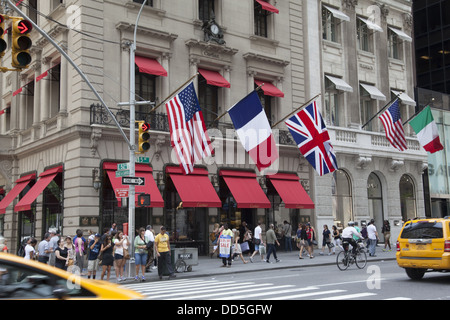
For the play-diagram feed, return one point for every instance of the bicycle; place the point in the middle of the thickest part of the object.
(346, 257)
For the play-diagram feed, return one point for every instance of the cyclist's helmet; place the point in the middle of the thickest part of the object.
(351, 223)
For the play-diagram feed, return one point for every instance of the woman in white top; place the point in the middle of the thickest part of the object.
(119, 242)
(30, 252)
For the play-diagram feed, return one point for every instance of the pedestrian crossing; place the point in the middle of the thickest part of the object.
(213, 289)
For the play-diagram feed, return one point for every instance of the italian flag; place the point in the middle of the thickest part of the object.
(427, 131)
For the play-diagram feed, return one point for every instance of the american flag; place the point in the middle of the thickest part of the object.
(311, 135)
(392, 123)
(187, 129)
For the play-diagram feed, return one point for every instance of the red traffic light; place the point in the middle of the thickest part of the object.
(145, 126)
(24, 26)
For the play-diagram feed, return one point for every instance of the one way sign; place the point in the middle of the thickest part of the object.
(137, 181)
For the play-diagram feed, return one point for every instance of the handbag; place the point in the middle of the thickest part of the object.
(126, 254)
(257, 241)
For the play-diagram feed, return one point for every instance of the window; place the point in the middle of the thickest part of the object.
(55, 4)
(27, 219)
(53, 204)
(28, 91)
(375, 196)
(341, 190)
(208, 98)
(55, 85)
(407, 198)
(32, 10)
(149, 2)
(329, 25)
(394, 45)
(205, 9)
(331, 98)
(366, 107)
(145, 89)
(266, 102)
(261, 20)
(363, 36)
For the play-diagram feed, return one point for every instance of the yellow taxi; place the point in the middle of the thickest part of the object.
(27, 279)
(423, 246)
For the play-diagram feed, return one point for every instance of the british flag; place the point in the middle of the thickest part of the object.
(311, 135)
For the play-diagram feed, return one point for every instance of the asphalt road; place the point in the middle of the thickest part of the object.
(381, 280)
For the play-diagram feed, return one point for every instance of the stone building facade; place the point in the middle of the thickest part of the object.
(58, 143)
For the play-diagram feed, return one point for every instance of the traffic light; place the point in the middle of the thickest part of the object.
(3, 44)
(21, 43)
(143, 200)
(144, 136)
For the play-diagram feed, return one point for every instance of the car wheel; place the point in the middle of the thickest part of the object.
(415, 274)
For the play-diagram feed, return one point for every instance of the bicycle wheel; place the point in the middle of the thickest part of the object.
(342, 261)
(180, 266)
(361, 259)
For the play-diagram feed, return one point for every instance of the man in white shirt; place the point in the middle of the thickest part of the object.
(348, 233)
(151, 256)
(257, 240)
(372, 234)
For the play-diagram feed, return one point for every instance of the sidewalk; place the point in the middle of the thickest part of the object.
(212, 266)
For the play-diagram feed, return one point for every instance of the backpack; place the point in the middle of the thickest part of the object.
(21, 251)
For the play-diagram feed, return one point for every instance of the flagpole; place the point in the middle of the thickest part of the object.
(223, 114)
(389, 103)
(296, 110)
(173, 93)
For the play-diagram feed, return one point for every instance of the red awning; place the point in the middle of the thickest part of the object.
(195, 189)
(269, 89)
(45, 178)
(214, 78)
(150, 66)
(267, 6)
(20, 185)
(143, 171)
(245, 189)
(291, 191)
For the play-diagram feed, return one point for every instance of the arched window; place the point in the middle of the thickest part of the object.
(375, 196)
(342, 198)
(407, 197)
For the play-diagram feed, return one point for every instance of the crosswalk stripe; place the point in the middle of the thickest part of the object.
(213, 292)
(398, 298)
(274, 291)
(198, 288)
(170, 284)
(349, 296)
(305, 295)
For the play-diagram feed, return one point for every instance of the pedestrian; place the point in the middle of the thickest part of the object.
(326, 240)
(162, 249)
(30, 251)
(107, 256)
(119, 260)
(71, 256)
(247, 243)
(271, 239)
(149, 233)
(44, 249)
(93, 261)
(140, 253)
(386, 230)
(113, 229)
(80, 249)
(257, 241)
(336, 238)
(214, 237)
(225, 251)
(53, 243)
(61, 254)
(310, 232)
(3, 246)
(373, 237)
(365, 235)
(237, 250)
(304, 244)
(287, 231)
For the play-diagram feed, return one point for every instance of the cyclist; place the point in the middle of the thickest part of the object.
(348, 233)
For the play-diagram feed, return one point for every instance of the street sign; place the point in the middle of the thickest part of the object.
(142, 160)
(122, 173)
(136, 181)
(123, 166)
(121, 192)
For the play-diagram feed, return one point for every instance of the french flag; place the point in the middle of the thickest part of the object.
(254, 131)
